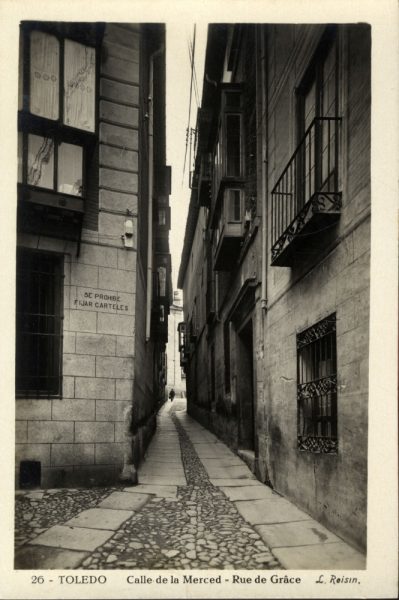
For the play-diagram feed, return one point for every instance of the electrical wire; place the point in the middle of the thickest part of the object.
(189, 106)
(191, 54)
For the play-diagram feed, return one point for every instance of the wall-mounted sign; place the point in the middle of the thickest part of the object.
(101, 300)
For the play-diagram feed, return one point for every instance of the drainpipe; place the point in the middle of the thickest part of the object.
(150, 190)
(265, 188)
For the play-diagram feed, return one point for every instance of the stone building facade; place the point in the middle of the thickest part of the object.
(176, 377)
(91, 315)
(276, 261)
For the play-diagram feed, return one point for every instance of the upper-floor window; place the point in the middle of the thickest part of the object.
(161, 272)
(58, 79)
(57, 108)
(317, 109)
(306, 198)
(228, 153)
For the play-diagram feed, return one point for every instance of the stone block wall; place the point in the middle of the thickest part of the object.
(82, 436)
(331, 487)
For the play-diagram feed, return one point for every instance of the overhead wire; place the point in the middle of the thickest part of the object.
(189, 106)
(191, 54)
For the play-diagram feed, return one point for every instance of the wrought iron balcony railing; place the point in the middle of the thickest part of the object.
(306, 197)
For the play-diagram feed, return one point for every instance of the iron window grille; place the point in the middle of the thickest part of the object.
(317, 387)
(39, 324)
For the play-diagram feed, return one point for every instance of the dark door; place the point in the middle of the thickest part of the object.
(245, 388)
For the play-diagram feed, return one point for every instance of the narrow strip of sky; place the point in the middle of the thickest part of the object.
(179, 51)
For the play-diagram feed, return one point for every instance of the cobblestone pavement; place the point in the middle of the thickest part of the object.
(37, 511)
(201, 528)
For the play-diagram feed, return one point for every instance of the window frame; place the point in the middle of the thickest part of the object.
(310, 345)
(56, 129)
(30, 256)
(314, 75)
(220, 154)
(61, 32)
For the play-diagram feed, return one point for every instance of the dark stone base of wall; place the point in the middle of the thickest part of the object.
(142, 439)
(225, 428)
(94, 475)
(68, 477)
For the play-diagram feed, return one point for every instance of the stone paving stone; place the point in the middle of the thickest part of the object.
(236, 482)
(297, 533)
(163, 491)
(33, 516)
(100, 518)
(43, 557)
(321, 556)
(278, 510)
(153, 467)
(167, 480)
(73, 538)
(212, 451)
(161, 458)
(221, 462)
(32, 495)
(124, 501)
(250, 492)
(239, 472)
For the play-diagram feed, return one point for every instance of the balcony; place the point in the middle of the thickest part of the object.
(47, 212)
(229, 230)
(305, 199)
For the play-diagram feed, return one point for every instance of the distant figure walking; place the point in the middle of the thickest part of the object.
(171, 394)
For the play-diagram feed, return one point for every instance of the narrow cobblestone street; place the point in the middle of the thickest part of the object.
(197, 506)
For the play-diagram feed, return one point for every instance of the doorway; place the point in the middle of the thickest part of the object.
(245, 388)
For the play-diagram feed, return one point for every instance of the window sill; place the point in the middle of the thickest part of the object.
(317, 445)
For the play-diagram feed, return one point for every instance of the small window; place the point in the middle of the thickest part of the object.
(70, 163)
(233, 145)
(49, 162)
(161, 216)
(181, 328)
(234, 211)
(161, 313)
(317, 387)
(161, 281)
(38, 324)
(40, 161)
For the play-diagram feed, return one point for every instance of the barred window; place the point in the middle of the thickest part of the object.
(317, 387)
(38, 324)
